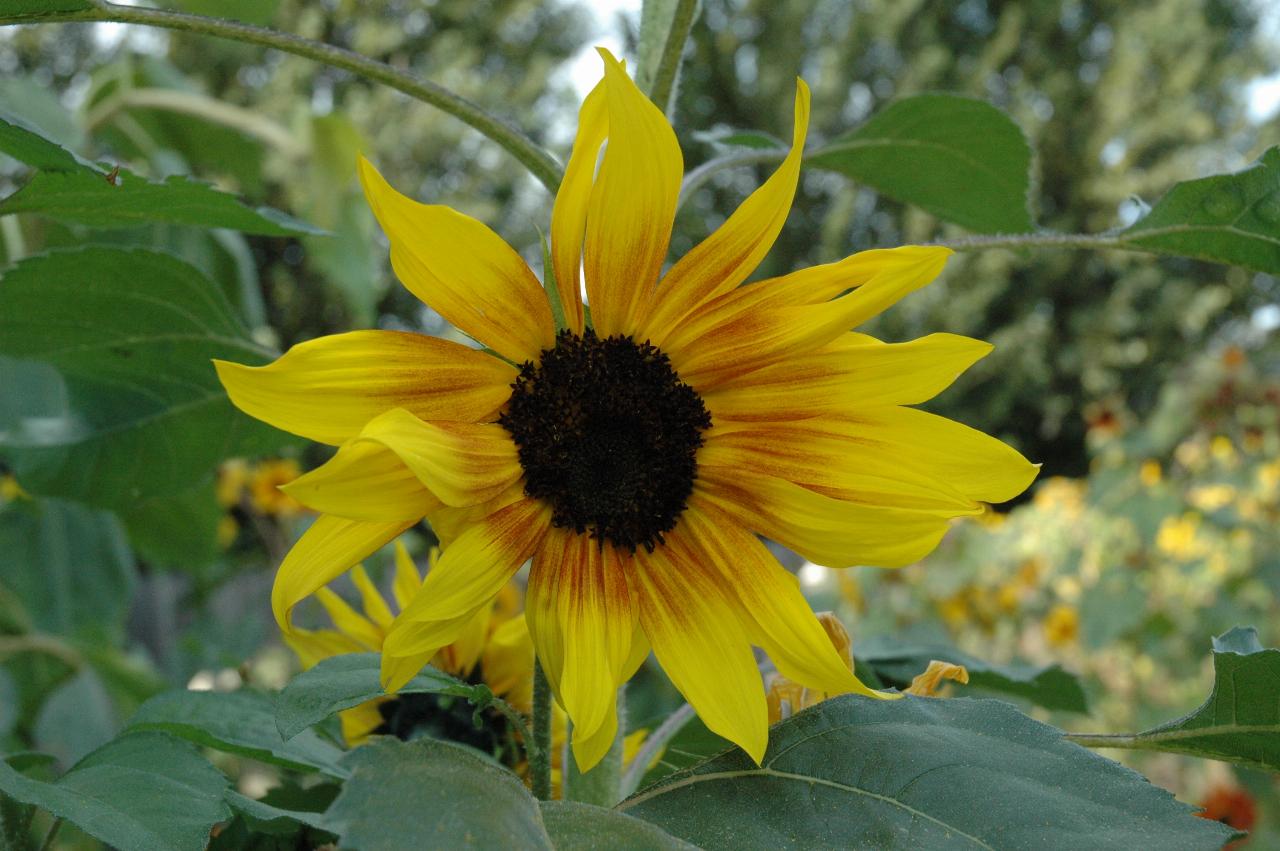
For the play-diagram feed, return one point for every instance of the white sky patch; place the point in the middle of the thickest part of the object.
(1263, 96)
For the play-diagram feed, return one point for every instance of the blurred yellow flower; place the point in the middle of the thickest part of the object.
(1179, 537)
(1150, 473)
(1211, 497)
(233, 478)
(1223, 450)
(228, 529)
(1062, 625)
(11, 490)
(264, 487)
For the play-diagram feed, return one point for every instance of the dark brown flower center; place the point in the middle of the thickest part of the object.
(608, 436)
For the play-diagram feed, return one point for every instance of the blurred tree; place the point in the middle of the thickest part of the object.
(1119, 101)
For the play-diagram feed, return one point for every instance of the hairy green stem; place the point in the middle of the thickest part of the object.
(539, 163)
(540, 753)
(696, 179)
(1034, 240)
(1105, 740)
(668, 68)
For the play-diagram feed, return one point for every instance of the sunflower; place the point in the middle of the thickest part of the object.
(493, 649)
(634, 446)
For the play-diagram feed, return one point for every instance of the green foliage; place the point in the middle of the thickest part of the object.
(145, 791)
(179, 531)
(341, 682)
(574, 826)
(71, 190)
(68, 566)
(1240, 722)
(432, 794)
(1227, 218)
(241, 722)
(36, 8)
(128, 405)
(963, 160)
(1044, 685)
(919, 773)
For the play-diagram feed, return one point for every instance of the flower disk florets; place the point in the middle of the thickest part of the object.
(608, 436)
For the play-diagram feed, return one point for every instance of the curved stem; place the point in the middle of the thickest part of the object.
(540, 754)
(247, 121)
(653, 745)
(664, 75)
(1033, 240)
(539, 163)
(696, 179)
(34, 642)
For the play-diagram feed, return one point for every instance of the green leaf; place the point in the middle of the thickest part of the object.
(693, 743)
(72, 190)
(77, 718)
(143, 791)
(1049, 686)
(1227, 218)
(266, 818)
(432, 794)
(341, 682)
(574, 826)
(241, 722)
(920, 773)
(1240, 722)
(37, 8)
(69, 567)
(115, 346)
(179, 531)
(963, 160)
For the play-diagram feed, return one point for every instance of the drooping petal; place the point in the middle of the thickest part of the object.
(773, 611)
(723, 260)
(632, 206)
(762, 323)
(470, 572)
(461, 654)
(327, 389)
(823, 529)
(698, 638)
(589, 750)
(375, 606)
(569, 215)
(583, 622)
(324, 552)
(313, 645)
(359, 722)
(364, 481)
(855, 371)
(463, 270)
(461, 463)
(350, 622)
(407, 580)
(507, 662)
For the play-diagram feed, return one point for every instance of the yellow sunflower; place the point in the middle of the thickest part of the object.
(494, 649)
(633, 451)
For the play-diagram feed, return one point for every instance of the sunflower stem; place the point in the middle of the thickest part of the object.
(667, 68)
(540, 753)
(654, 743)
(602, 785)
(539, 163)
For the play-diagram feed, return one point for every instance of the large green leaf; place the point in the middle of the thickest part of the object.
(341, 682)
(69, 189)
(77, 718)
(961, 159)
(67, 566)
(574, 826)
(1049, 686)
(123, 403)
(432, 794)
(920, 773)
(179, 531)
(241, 722)
(1240, 722)
(1227, 218)
(143, 791)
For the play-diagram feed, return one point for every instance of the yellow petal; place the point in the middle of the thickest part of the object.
(327, 389)
(723, 260)
(928, 683)
(462, 654)
(811, 454)
(569, 215)
(507, 662)
(398, 670)
(825, 530)
(461, 463)
(588, 750)
(375, 606)
(350, 622)
(583, 621)
(698, 638)
(471, 571)
(364, 481)
(359, 722)
(632, 206)
(408, 580)
(774, 612)
(762, 323)
(324, 552)
(463, 270)
(314, 645)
